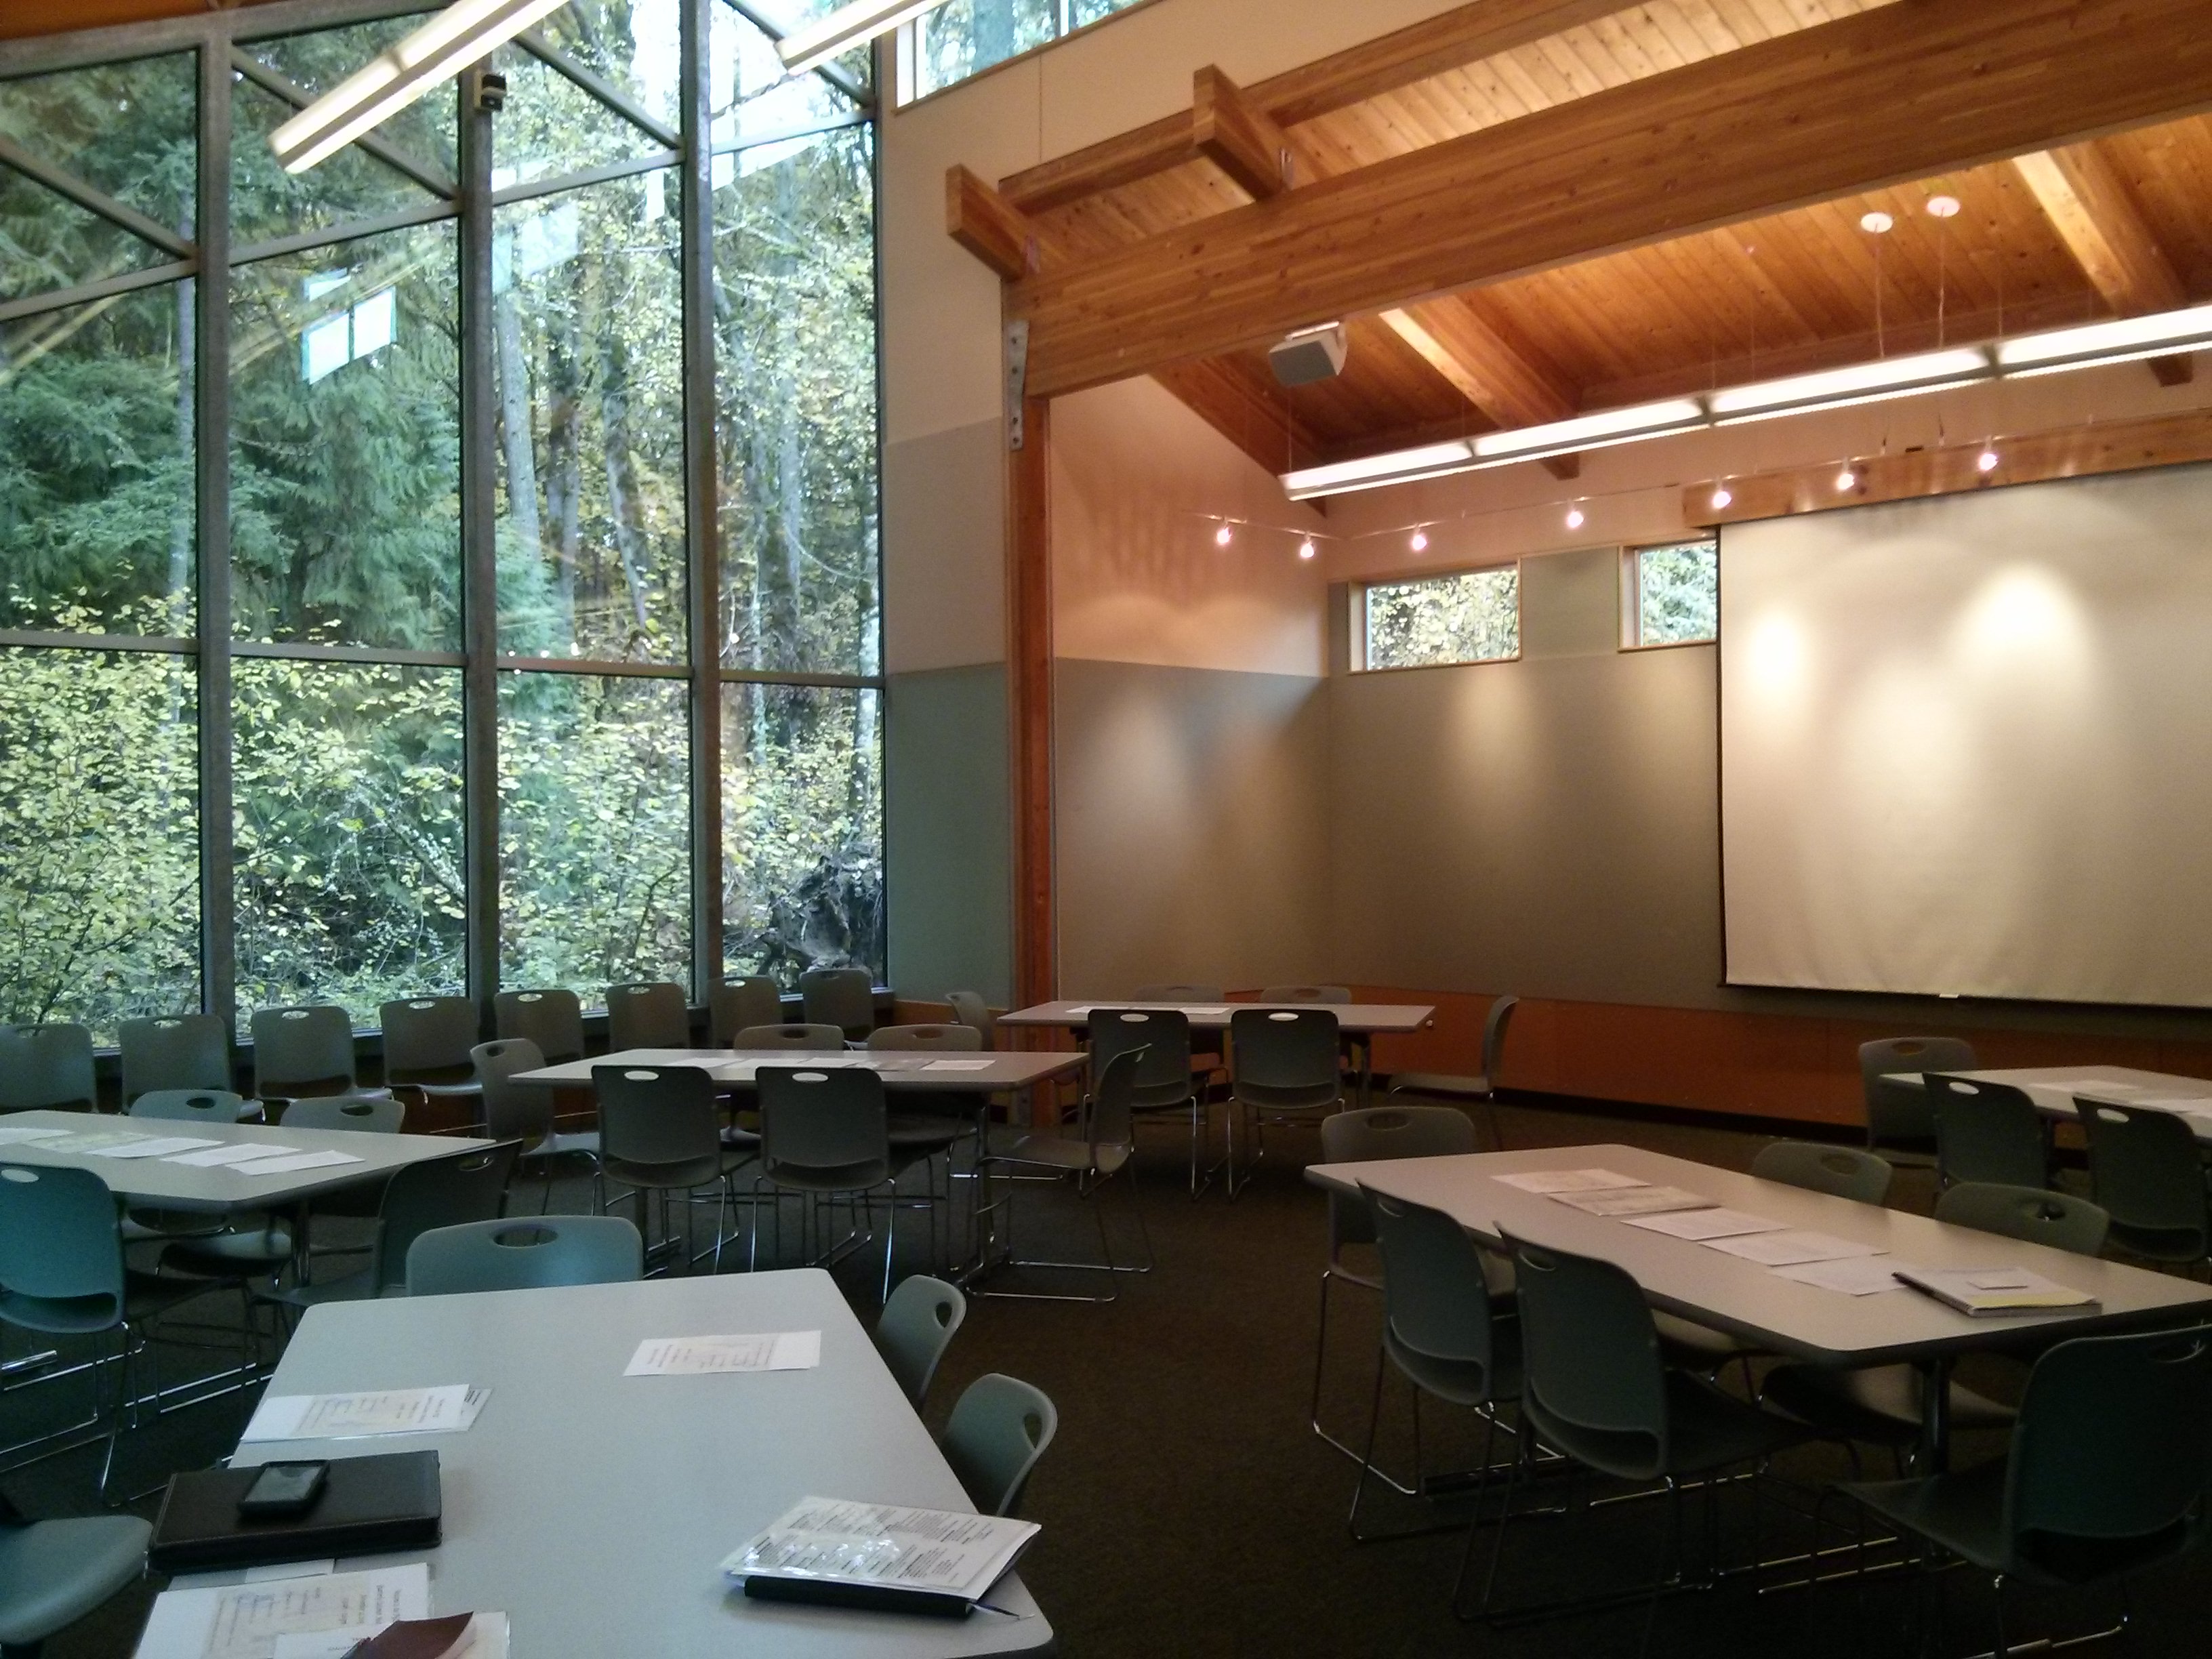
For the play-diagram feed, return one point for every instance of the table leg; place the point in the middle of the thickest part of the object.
(1935, 1415)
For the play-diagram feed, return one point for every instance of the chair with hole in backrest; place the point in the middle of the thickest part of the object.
(524, 1255)
(825, 1134)
(648, 1015)
(193, 1106)
(426, 1048)
(2106, 1475)
(550, 1018)
(957, 1115)
(971, 1010)
(1988, 1132)
(1283, 1070)
(1206, 1050)
(1481, 1088)
(173, 1052)
(1165, 1082)
(46, 1066)
(1900, 1110)
(915, 1327)
(843, 997)
(660, 1133)
(1360, 1137)
(374, 1115)
(2147, 1172)
(999, 1428)
(737, 1004)
(525, 1112)
(303, 1051)
(1883, 1405)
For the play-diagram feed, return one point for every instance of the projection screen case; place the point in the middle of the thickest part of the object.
(1967, 744)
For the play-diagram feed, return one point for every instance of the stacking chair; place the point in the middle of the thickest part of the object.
(1165, 1081)
(46, 1066)
(265, 1239)
(2147, 1173)
(648, 1016)
(915, 1327)
(1439, 1332)
(971, 1010)
(53, 1573)
(1203, 1060)
(1359, 1137)
(801, 1039)
(737, 1004)
(843, 997)
(193, 1106)
(524, 1256)
(825, 1134)
(1478, 1090)
(660, 1131)
(375, 1114)
(552, 1018)
(172, 1052)
(426, 1048)
(525, 1112)
(1900, 1110)
(1104, 1150)
(1882, 1405)
(925, 1136)
(2106, 1476)
(304, 1051)
(1282, 1071)
(1988, 1132)
(999, 1428)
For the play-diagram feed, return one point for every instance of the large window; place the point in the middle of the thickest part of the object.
(1473, 616)
(1670, 595)
(962, 37)
(318, 767)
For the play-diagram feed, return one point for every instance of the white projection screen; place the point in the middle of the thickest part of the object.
(1967, 744)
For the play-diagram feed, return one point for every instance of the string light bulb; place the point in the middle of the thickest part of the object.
(1848, 478)
(1723, 498)
(1987, 459)
(1306, 547)
(1577, 517)
(1420, 542)
(1224, 536)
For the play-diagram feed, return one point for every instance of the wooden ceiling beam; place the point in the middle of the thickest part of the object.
(1465, 34)
(1479, 351)
(2095, 214)
(1772, 126)
(988, 226)
(1237, 136)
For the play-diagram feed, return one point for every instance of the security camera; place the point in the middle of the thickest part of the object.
(491, 93)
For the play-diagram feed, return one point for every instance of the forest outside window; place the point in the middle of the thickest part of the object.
(1670, 595)
(1474, 615)
(963, 38)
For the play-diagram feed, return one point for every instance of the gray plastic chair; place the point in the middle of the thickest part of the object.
(999, 1428)
(798, 1039)
(253, 1242)
(2147, 1172)
(945, 1039)
(1164, 1080)
(53, 1573)
(550, 1018)
(1840, 1171)
(46, 1066)
(1103, 1149)
(915, 1327)
(648, 1015)
(365, 1114)
(525, 1254)
(918, 1136)
(1439, 1331)
(1988, 1132)
(2034, 1213)
(826, 1134)
(439, 1192)
(2106, 1476)
(661, 1132)
(1328, 993)
(1364, 1136)
(426, 1046)
(1900, 1112)
(735, 1004)
(302, 1051)
(971, 1010)
(1283, 1070)
(174, 1051)
(1482, 1087)
(193, 1106)
(843, 997)
(525, 1112)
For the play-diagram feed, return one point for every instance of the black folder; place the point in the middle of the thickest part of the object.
(371, 1505)
(882, 1598)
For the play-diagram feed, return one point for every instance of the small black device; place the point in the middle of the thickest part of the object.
(283, 1490)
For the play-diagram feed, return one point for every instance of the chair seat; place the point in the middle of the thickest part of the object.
(437, 1080)
(581, 1142)
(1707, 1429)
(672, 1177)
(357, 1286)
(144, 1295)
(54, 1572)
(227, 1254)
(1877, 1403)
(914, 1130)
(1463, 1382)
(838, 1178)
(1697, 1347)
(1059, 1152)
(1440, 1083)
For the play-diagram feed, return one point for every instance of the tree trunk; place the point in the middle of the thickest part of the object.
(518, 441)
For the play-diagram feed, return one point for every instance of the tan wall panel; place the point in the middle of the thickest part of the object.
(945, 570)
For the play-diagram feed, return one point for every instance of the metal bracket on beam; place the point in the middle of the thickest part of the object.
(1017, 374)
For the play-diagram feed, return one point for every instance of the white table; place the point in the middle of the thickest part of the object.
(986, 1073)
(1749, 1300)
(594, 1509)
(2052, 1088)
(1355, 1018)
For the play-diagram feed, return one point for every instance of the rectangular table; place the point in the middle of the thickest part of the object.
(1355, 1018)
(947, 1073)
(1753, 1302)
(594, 1509)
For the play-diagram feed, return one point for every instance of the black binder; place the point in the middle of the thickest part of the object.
(371, 1505)
(882, 1598)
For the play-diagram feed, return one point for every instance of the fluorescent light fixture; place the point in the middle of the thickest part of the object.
(1608, 426)
(845, 27)
(441, 48)
(2122, 341)
(1838, 388)
(1373, 471)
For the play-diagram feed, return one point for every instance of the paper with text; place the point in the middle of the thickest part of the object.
(1633, 1200)
(884, 1544)
(16, 1134)
(1699, 1225)
(1791, 1247)
(978, 1066)
(1552, 1182)
(237, 1152)
(92, 1143)
(296, 1161)
(1861, 1275)
(345, 1416)
(163, 1146)
(702, 1356)
(247, 1621)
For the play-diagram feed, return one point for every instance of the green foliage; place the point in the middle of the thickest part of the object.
(1474, 616)
(1678, 593)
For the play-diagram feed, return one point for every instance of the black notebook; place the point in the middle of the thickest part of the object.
(369, 1506)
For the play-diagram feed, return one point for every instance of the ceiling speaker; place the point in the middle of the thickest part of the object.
(1310, 354)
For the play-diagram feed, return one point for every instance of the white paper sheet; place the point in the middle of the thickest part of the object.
(163, 1146)
(484, 1637)
(13, 1135)
(1554, 1182)
(1861, 1275)
(345, 1416)
(2091, 1085)
(1633, 1200)
(701, 1356)
(2188, 1105)
(884, 1544)
(1699, 1225)
(979, 1066)
(92, 1143)
(288, 1164)
(244, 1622)
(236, 1152)
(1790, 1247)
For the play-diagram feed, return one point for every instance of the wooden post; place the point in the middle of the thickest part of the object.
(1029, 696)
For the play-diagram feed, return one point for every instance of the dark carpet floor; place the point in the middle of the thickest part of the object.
(1188, 1511)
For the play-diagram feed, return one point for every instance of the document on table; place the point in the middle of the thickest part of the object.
(248, 1621)
(1861, 1275)
(1791, 1247)
(162, 1146)
(985, 1066)
(2092, 1086)
(92, 1143)
(884, 1544)
(1699, 1225)
(702, 1356)
(294, 1160)
(344, 1416)
(458, 1636)
(1555, 1181)
(235, 1151)
(16, 1134)
(1634, 1201)
(1995, 1289)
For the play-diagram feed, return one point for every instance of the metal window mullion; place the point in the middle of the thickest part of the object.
(430, 213)
(701, 518)
(211, 547)
(96, 201)
(832, 71)
(381, 656)
(38, 639)
(656, 162)
(859, 117)
(298, 97)
(61, 299)
(479, 552)
(534, 42)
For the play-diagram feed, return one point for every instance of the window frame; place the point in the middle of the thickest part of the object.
(906, 50)
(1361, 625)
(1632, 594)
